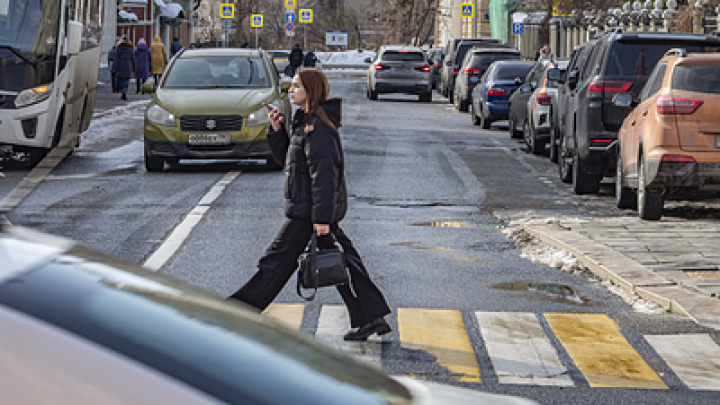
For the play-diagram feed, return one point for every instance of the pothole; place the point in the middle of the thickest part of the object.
(453, 224)
(552, 291)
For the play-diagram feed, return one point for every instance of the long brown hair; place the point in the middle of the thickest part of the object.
(316, 90)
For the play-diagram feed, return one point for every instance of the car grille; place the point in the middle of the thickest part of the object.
(211, 123)
(211, 148)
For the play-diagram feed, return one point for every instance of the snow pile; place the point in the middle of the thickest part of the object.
(103, 124)
(537, 252)
(347, 58)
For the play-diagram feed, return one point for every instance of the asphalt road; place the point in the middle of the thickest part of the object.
(430, 196)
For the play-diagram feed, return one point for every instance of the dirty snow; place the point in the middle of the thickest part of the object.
(354, 57)
(538, 252)
(110, 124)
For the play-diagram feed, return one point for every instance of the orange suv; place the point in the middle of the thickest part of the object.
(669, 145)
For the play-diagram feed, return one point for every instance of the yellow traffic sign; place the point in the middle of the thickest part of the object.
(256, 21)
(290, 4)
(467, 10)
(227, 10)
(306, 16)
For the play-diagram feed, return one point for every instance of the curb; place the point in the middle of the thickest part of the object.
(608, 264)
(131, 104)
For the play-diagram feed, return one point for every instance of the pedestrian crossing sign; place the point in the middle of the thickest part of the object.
(306, 16)
(467, 10)
(257, 21)
(290, 4)
(227, 11)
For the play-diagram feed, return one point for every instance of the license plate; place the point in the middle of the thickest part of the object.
(209, 139)
(474, 79)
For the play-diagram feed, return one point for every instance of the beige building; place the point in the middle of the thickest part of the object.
(451, 25)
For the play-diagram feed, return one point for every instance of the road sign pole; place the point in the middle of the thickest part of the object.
(256, 37)
(305, 37)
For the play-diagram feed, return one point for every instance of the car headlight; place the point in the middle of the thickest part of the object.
(259, 117)
(32, 96)
(160, 116)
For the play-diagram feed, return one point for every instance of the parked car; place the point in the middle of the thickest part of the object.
(490, 96)
(554, 126)
(400, 69)
(476, 62)
(530, 105)
(612, 64)
(454, 54)
(435, 59)
(80, 327)
(210, 104)
(669, 145)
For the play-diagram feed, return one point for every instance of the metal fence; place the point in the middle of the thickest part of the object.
(568, 32)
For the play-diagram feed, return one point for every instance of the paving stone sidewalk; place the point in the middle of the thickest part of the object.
(673, 263)
(106, 100)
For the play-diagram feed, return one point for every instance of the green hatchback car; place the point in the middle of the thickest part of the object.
(210, 104)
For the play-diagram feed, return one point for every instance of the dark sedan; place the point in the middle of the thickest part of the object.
(490, 96)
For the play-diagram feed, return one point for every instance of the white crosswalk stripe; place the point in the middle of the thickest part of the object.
(334, 322)
(695, 358)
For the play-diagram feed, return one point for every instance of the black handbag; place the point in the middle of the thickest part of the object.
(321, 268)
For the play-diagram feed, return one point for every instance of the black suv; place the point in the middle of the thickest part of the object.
(613, 63)
(454, 54)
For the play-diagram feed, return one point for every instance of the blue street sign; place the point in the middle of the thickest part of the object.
(518, 28)
(289, 17)
(467, 10)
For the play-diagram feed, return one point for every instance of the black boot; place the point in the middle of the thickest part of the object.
(378, 325)
(124, 96)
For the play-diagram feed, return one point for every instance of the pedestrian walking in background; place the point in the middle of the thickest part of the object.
(310, 59)
(296, 59)
(143, 60)
(175, 47)
(125, 65)
(159, 58)
(315, 201)
(543, 52)
(111, 65)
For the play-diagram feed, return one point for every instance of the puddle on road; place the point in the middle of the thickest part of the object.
(418, 245)
(457, 225)
(550, 291)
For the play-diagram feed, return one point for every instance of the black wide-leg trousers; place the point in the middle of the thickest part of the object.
(280, 262)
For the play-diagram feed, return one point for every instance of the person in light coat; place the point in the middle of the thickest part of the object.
(159, 58)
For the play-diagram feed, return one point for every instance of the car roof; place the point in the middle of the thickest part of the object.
(693, 57)
(618, 34)
(495, 50)
(401, 48)
(198, 53)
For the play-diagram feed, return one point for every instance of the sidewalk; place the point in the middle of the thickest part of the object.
(675, 264)
(106, 100)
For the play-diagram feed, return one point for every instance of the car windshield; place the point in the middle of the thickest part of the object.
(217, 72)
(697, 78)
(466, 46)
(553, 84)
(484, 60)
(28, 27)
(507, 71)
(400, 56)
(638, 59)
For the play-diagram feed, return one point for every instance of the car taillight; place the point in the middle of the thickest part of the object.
(379, 66)
(543, 99)
(676, 105)
(609, 86)
(438, 64)
(496, 91)
(601, 142)
(425, 68)
(455, 71)
(678, 159)
(473, 71)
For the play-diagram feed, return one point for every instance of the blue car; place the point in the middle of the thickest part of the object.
(490, 96)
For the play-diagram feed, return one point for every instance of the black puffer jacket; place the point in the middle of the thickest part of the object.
(314, 180)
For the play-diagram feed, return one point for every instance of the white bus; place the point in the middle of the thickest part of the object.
(49, 62)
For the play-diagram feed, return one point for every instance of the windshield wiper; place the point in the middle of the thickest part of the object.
(19, 54)
(252, 70)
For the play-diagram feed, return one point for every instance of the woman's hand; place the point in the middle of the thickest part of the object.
(321, 229)
(275, 117)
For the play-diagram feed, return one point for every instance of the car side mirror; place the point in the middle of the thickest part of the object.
(285, 84)
(74, 38)
(518, 81)
(554, 74)
(148, 87)
(572, 79)
(367, 60)
(526, 88)
(623, 100)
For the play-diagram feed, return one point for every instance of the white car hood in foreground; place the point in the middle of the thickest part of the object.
(428, 393)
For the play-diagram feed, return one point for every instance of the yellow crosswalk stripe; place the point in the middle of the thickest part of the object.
(290, 315)
(601, 352)
(441, 333)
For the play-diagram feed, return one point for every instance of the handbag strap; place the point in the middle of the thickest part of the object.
(312, 257)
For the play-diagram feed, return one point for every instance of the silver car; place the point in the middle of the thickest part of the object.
(400, 69)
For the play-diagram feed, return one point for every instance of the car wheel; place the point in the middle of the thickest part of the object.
(624, 197)
(462, 103)
(553, 146)
(536, 146)
(426, 97)
(473, 116)
(650, 202)
(582, 181)
(564, 167)
(154, 164)
(373, 94)
(272, 165)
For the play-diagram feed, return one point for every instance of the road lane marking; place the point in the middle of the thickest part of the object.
(520, 351)
(290, 315)
(181, 232)
(334, 323)
(601, 352)
(33, 178)
(694, 358)
(441, 333)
